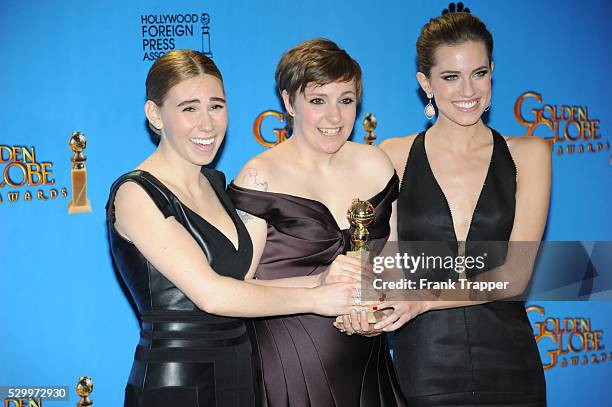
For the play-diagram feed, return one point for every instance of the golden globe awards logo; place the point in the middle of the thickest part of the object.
(24, 176)
(279, 134)
(161, 33)
(23, 402)
(568, 128)
(568, 341)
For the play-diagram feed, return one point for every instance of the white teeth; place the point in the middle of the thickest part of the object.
(203, 141)
(330, 132)
(466, 105)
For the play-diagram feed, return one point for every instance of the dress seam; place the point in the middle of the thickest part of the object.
(364, 376)
(150, 345)
(320, 361)
(467, 334)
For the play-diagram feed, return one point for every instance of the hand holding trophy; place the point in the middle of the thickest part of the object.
(360, 215)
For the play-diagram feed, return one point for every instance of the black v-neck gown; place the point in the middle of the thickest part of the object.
(302, 360)
(185, 357)
(482, 355)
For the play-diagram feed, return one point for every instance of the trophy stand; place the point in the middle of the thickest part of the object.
(78, 202)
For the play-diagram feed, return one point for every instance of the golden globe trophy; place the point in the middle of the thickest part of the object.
(84, 388)
(360, 215)
(78, 202)
(369, 124)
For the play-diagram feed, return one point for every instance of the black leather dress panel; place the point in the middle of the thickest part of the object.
(185, 356)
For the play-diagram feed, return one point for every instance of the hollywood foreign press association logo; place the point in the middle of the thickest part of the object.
(162, 33)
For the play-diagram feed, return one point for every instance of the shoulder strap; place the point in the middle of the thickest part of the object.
(215, 176)
(416, 148)
(158, 193)
(503, 157)
(163, 198)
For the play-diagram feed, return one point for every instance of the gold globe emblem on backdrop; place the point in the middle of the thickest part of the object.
(78, 202)
(84, 387)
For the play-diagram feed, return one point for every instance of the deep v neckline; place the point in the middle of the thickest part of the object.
(219, 198)
(324, 208)
(480, 195)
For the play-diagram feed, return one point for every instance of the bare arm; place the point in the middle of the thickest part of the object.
(534, 171)
(178, 257)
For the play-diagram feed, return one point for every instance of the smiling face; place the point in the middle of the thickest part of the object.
(324, 115)
(460, 81)
(192, 118)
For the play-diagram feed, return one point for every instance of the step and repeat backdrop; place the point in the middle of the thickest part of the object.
(73, 66)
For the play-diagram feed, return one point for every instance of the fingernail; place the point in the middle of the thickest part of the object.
(374, 308)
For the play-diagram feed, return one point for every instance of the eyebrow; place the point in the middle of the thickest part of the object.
(323, 94)
(456, 72)
(212, 99)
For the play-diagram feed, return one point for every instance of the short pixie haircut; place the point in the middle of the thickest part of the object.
(450, 29)
(318, 61)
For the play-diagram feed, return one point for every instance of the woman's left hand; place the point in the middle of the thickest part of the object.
(357, 322)
(403, 311)
(343, 269)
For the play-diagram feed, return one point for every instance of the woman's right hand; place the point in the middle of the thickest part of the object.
(343, 269)
(334, 299)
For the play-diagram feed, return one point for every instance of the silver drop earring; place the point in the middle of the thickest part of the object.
(487, 108)
(430, 110)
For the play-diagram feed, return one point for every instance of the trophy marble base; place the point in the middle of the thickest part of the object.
(72, 208)
(373, 317)
(79, 202)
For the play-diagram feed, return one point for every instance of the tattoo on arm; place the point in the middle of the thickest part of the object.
(245, 217)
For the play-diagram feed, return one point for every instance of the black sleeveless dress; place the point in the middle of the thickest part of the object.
(302, 360)
(185, 357)
(482, 355)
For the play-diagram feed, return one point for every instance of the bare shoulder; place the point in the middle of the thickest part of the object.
(130, 193)
(133, 207)
(259, 171)
(370, 163)
(532, 152)
(377, 160)
(254, 175)
(397, 149)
